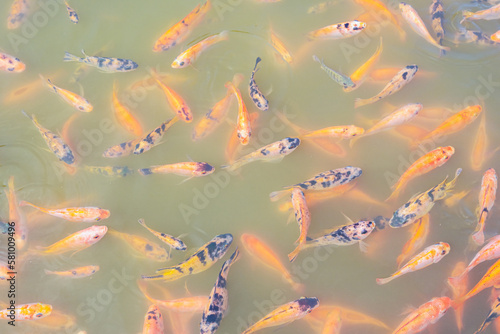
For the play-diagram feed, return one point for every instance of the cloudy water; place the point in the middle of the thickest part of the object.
(300, 94)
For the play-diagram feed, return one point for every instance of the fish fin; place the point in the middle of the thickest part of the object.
(69, 57)
(309, 239)
(293, 255)
(381, 281)
(478, 237)
(455, 281)
(466, 14)
(276, 195)
(145, 171)
(358, 102)
(187, 179)
(349, 220)
(48, 272)
(363, 246)
(291, 217)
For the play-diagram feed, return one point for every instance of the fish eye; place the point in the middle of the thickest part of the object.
(38, 315)
(181, 63)
(73, 272)
(96, 236)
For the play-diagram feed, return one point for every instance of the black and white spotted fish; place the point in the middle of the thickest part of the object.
(121, 150)
(201, 260)
(105, 64)
(491, 317)
(325, 180)
(218, 299)
(54, 142)
(339, 78)
(468, 36)
(153, 138)
(437, 17)
(73, 16)
(255, 94)
(273, 151)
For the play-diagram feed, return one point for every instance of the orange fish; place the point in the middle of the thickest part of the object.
(9, 63)
(31, 311)
(76, 101)
(487, 197)
(243, 126)
(143, 246)
(493, 314)
(459, 289)
(338, 131)
(424, 164)
(280, 48)
(16, 216)
(303, 218)
(320, 314)
(179, 31)
(87, 214)
(79, 272)
(190, 168)
(313, 198)
(17, 14)
(187, 304)
(426, 314)
(383, 13)
(358, 77)
(387, 73)
(153, 321)
(124, 116)
(175, 100)
(189, 56)
(338, 30)
(491, 278)
(479, 149)
(419, 233)
(233, 144)
(333, 322)
(77, 241)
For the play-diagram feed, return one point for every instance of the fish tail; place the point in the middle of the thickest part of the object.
(293, 255)
(145, 171)
(142, 222)
(358, 102)
(466, 14)
(234, 165)
(381, 281)
(276, 195)
(26, 203)
(298, 287)
(69, 57)
(152, 277)
(455, 281)
(257, 61)
(48, 272)
(478, 237)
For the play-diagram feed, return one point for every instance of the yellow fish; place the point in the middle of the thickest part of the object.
(143, 246)
(75, 100)
(77, 241)
(166, 238)
(76, 272)
(189, 56)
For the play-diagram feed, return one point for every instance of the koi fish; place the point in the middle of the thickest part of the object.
(411, 16)
(243, 127)
(491, 278)
(387, 73)
(76, 101)
(121, 150)
(358, 76)
(79, 272)
(339, 131)
(339, 78)
(495, 37)
(430, 255)
(478, 37)
(492, 316)
(177, 103)
(105, 64)
(87, 214)
(179, 31)
(426, 314)
(10, 63)
(420, 204)
(286, 313)
(459, 289)
(16, 215)
(73, 16)
(321, 7)
(124, 116)
(333, 322)
(454, 199)
(403, 77)
(487, 197)
(280, 48)
(317, 197)
(321, 313)
(189, 56)
(111, 171)
(491, 13)
(255, 94)
(187, 304)
(173, 242)
(153, 321)
(303, 218)
(143, 246)
(270, 152)
(383, 13)
(338, 30)
(419, 233)
(233, 144)
(424, 164)
(153, 138)
(190, 168)
(437, 16)
(54, 142)
(77, 241)
(480, 144)
(57, 321)
(31, 311)
(325, 180)
(258, 249)
(17, 14)
(218, 299)
(201, 260)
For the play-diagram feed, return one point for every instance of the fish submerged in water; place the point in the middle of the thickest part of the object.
(176, 102)
(9, 63)
(491, 13)
(437, 17)
(339, 78)
(243, 127)
(31, 311)
(76, 101)
(17, 14)
(153, 321)
(173, 242)
(303, 218)
(73, 16)
(79, 272)
(76, 214)
(110, 171)
(487, 197)
(337, 132)
(338, 30)
(143, 246)
(105, 64)
(491, 317)
(77, 241)
(121, 150)
(255, 94)
(189, 56)
(190, 169)
(153, 138)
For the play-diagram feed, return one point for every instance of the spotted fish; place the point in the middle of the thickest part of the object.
(76, 101)
(437, 17)
(79, 272)
(87, 214)
(218, 299)
(166, 238)
(255, 94)
(176, 102)
(143, 246)
(10, 63)
(153, 138)
(426, 314)
(111, 171)
(189, 168)
(153, 321)
(303, 218)
(487, 196)
(31, 311)
(77, 241)
(189, 56)
(17, 14)
(105, 64)
(339, 78)
(492, 316)
(338, 30)
(73, 16)
(201, 260)
(491, 13)
(121, 150)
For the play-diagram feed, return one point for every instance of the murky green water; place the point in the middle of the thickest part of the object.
(110, 301)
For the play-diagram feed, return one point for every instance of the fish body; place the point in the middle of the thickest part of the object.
(321, 313)
(79, 272)
(358, 76)
(233, 144)
(285, 313)
(490, 278)
(338, 131)
(201, 260)
(121, 150)
(17, 13)
(339, 78)
(87, 214)
(188, 304)
(76, 101)
(419, 233)
(243, 127)
(333, 322)
(253, 90)
(491, 317)
(459, 289)
(16, 215)
(338, 30)
(270, 152)
(10, 63)
(426, 314)
(179, 31)
(422, 165)
(437, 16)
(420, 204)
(153, 321)
(54, 142)
(176, 102)
(345, 235)
(280, 47)
(190, 168)
(478, 37)
(73, 16)
(77, 241)
(218, 299)
(105, 64)
(124, 116)
(487, 196)
(189, 56)
(111, 171)
(173, 242)
(491, 13)
(303, 218)
(478, 155)
(430, 255)
(33, 311)
(401, 78)
(153, 138)
(143, 246)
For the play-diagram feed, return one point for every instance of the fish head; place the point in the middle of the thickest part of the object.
(292, 143)
(95, 233)
(41, 310)
(353, 131)
(18, 65)
(399, 219)
(203, 168)
(447, 151)
(444, 248)
(358, 25)
(307, 304)
(180, 63)
(218, 246)
(474, 111)
(85, 106)
(103, 214)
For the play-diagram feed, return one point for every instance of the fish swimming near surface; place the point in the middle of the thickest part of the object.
(189, 56)
(243, 126)
(121, 150)
(124, 116)
(333, 322)
(32, 311)
(487, 196)
(303, 218)
(73, 16)
(143, 246)
(419, 233)
(489, 279)
(459, 289)
(105, 64)
(491, 13)
(321, 7)
(201, 260)
(10, 63)
(187, 304)
(339, 78)
(253, 90)
(76, 241)
(218, 299)
(153, 321)
(468, 36)
(437, 16)
(336, 132)
(87, 214)
(153, 138)
(190, 168)
(338, 30)
(176, 102)
(359, 75)
(173, 242)
(110, 171)
(17, 14)
(79, 272)
(491, 317)
(280, 47)
(76, 101)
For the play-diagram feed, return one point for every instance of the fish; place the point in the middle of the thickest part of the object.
(411, 16)
(383, 13)
(420, 204)
(490, 278)
(121, 150)
(152, 138)
(337, 131)
(32, 311)
(270, 152)
(285, 314)
(303, 218)
(339, 78)
(201, 260)
(333, 322)
(321, 7)
(153, 321)
(491, 13)
(143, 246)
(430, 255)
(110, 171)
(320, 314)
(243, 126)
(478, 155)
(79, 272)
(186, 305)
(487, 196)
(280, 47)
(387, 73)
(190, 168)
(338, 30)
(319, 196)
(262, 252)
(105, 64)
(10, 63)
(424, 164)
(16, 216)
(253, 90)
(54, 142)
(173, 242)
(426, 314)
(73, 16)
(179, 31)
(437, 16)
(76, 101)
(419, 233)
(468, 36)
(233, 144)
(359, 75)
(217, 305)
(495, 37)
(17, 14)
(454, 199)
(87, 214)
(322, 181)
(124, 116)
(401, 78)
(459, 289)
(176, 102)
(491, 317)
(57, 321)
(189, 56)
(77, 241)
